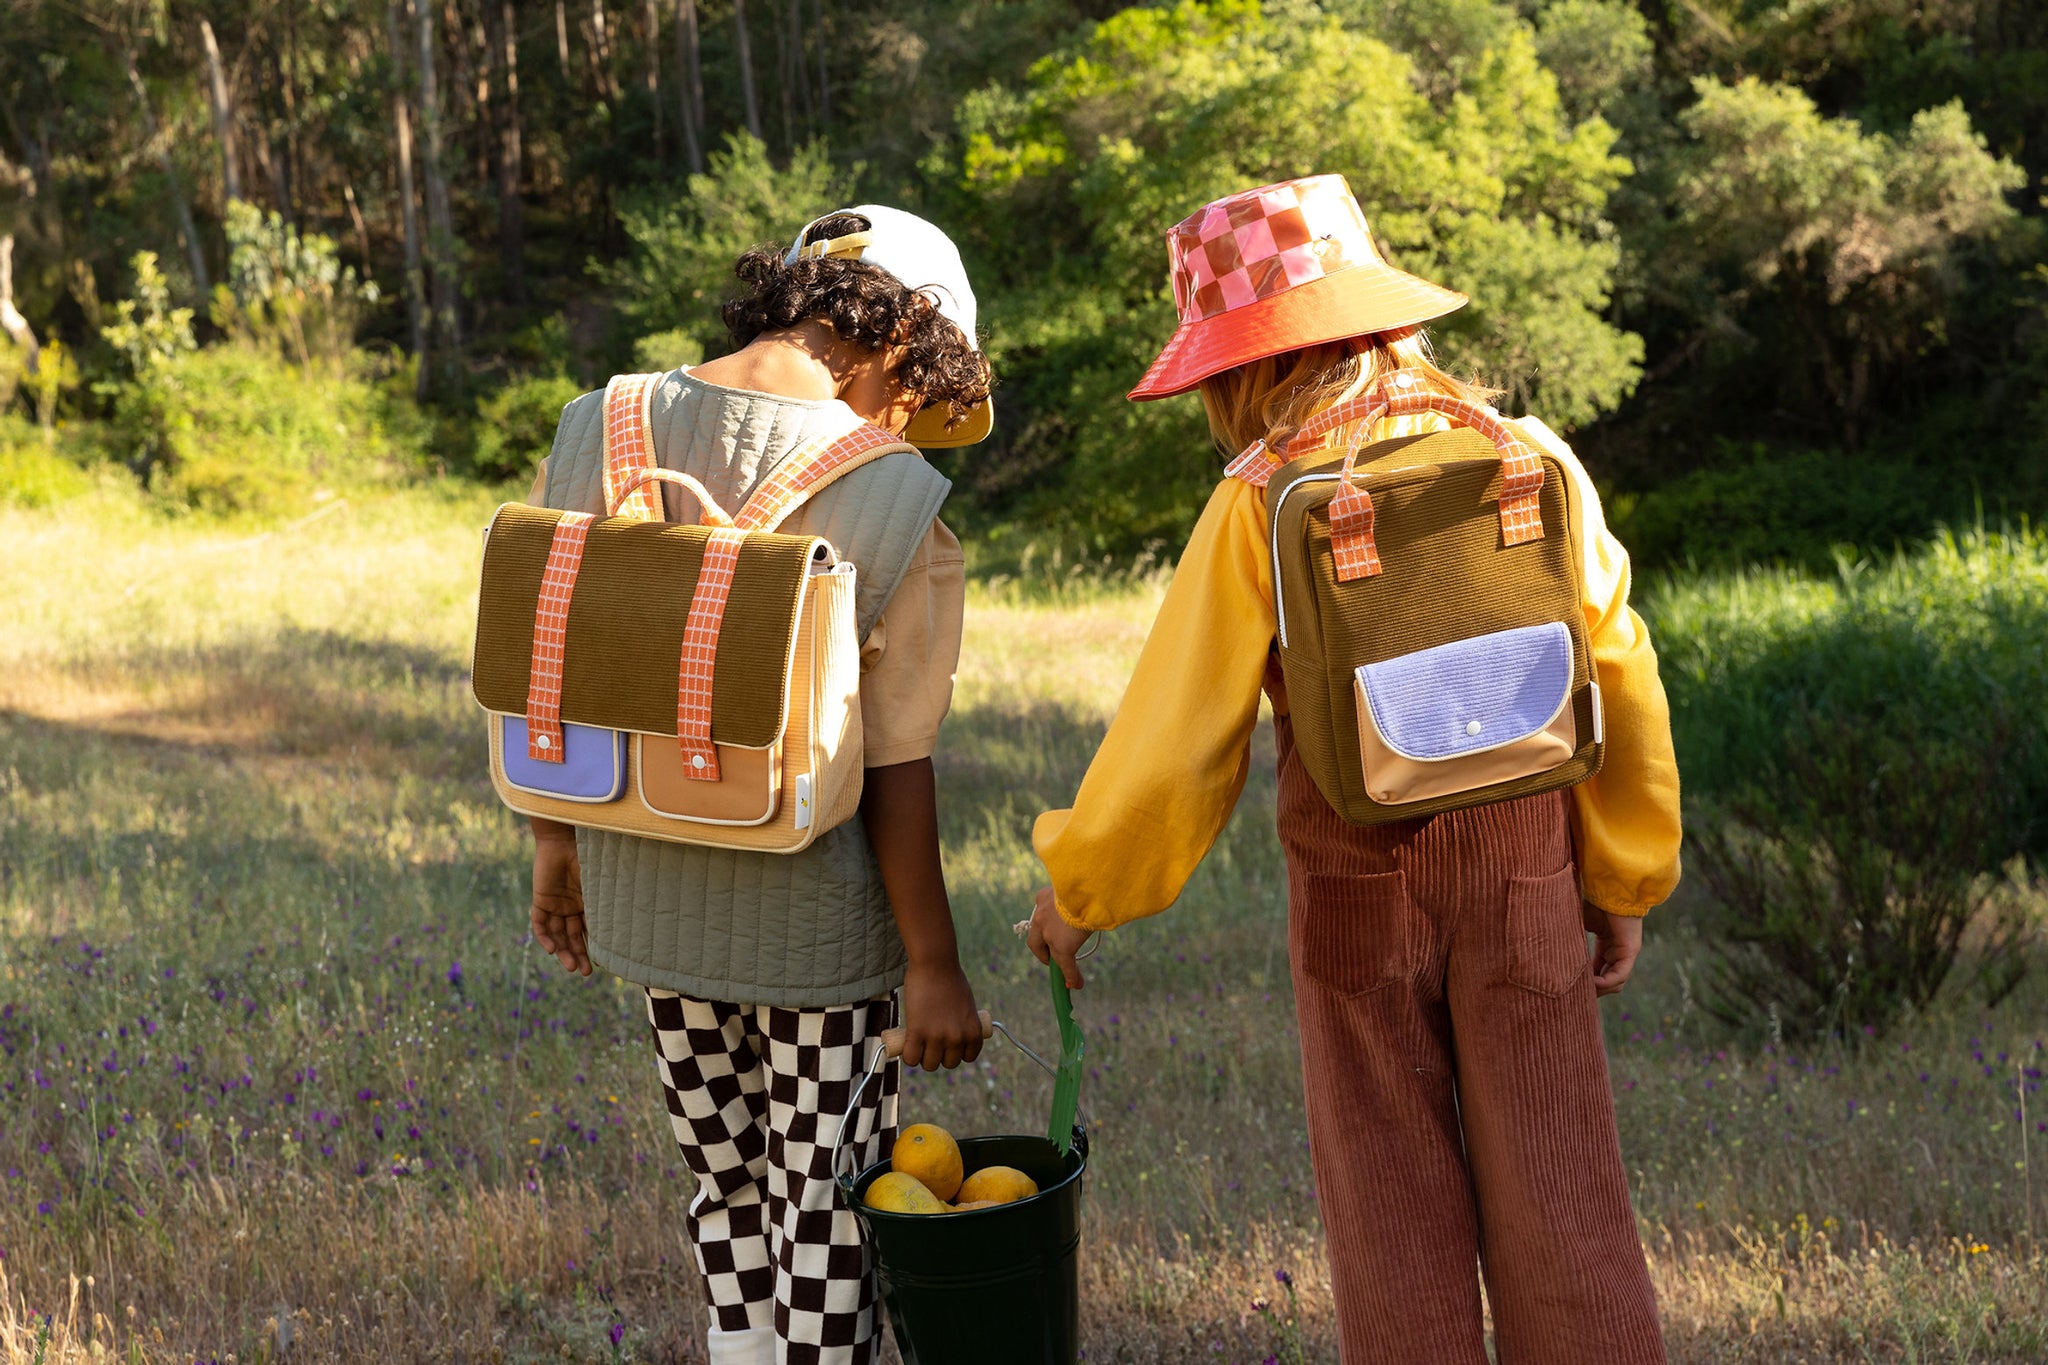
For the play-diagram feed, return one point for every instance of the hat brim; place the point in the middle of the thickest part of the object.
(1350, 303)
(928, 430)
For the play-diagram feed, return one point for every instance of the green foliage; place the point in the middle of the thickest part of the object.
(516, 425)
(33, 472)
(1853, 237)
(1497, 193)
(147, 330)
(1600, 51)
(55, 374)
(1756, 505)
(288, 290)
(685, 244)
(1868, 755)
(663, 351)
(234, 429)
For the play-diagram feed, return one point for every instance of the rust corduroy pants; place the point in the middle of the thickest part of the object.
(1458, 1101)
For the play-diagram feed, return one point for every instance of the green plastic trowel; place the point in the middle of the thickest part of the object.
(1066, 1085)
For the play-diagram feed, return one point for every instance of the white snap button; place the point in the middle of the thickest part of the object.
(1404, 380)
(1472, 727)
(544, 742)
(697, 760)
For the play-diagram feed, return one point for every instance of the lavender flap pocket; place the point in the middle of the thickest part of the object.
(593, 766)
(1470, 696)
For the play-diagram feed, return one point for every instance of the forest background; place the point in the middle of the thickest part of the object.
(1780, 269)
(292, 292)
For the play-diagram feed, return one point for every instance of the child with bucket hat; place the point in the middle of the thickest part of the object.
(770, 977)
(1458, 1103)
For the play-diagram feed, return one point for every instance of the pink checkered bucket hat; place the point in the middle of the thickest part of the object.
(1274, 269)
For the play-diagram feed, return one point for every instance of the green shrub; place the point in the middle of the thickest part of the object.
(516, 425)
(235, 429)
(1758, 506)
(1866, 758)
(664, 351)
(35, 472)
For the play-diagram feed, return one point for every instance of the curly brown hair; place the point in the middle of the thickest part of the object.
(863, 304)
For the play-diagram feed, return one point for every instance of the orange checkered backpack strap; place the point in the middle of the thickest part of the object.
(550, 636)
(1351, 511)
(1255, 465)
(627, 449)
(797, 479)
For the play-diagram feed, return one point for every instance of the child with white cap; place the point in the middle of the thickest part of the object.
(769, 977)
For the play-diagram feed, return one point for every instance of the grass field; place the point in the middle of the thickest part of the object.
(284, 1081)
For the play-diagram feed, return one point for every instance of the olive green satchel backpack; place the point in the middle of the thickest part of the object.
(1428, 594)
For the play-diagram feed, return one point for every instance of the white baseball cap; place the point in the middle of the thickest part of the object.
(921, 256)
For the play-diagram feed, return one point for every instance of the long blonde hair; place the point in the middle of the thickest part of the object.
(1269, 400)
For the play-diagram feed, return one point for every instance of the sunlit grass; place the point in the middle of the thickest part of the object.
(278, 1063)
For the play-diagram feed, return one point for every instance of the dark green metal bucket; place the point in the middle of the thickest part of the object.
(997, 1286)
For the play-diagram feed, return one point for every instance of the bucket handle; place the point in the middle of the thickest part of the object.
(892, 1047)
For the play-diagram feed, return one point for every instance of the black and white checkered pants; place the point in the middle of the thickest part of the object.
(755, 1094)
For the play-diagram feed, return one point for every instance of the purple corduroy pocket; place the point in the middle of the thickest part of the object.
(593, 766)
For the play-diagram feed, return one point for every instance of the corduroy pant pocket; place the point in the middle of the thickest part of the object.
(1351, 933)
(1546, 932)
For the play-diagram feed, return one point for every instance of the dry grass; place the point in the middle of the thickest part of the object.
(284, 1082)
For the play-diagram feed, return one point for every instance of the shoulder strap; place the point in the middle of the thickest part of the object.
(1255, 466)
(810, 470)
(627, 451)
(631, 472)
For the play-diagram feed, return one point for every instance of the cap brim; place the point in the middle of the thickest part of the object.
(928, 429)
(1356, 302)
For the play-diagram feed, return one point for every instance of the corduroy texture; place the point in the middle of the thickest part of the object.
(628, 618)
(1458, 1103)
(1446, 576)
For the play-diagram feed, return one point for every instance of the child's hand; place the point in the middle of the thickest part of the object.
(1617, 943)
(1052, 939)
(941, 1028)
(558, 896)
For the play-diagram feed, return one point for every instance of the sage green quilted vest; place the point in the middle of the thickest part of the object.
(798, 930)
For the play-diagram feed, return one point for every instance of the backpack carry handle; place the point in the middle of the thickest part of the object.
(1351, 511)
(710, 515)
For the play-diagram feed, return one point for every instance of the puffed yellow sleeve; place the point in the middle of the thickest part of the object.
(1170, 770)
(1627, 817)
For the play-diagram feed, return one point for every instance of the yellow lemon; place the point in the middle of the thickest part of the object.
(900, 1193)
(974, 1204)
(997, 1185)
(929, 1153)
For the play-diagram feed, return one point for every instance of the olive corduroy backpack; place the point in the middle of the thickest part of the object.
(697, 684)
(1428, 596)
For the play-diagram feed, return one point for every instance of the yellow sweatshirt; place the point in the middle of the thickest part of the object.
(1170, 770)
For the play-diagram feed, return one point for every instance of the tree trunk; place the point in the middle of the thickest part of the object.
(180, 205)
(401, 122)
(651, 16)
(223, 114)
(441, 263)
(690, 85)
(787, 67)
(824, 71)
(562, 37)
(799, 72)
(746, 60)
(511, 157)
(601, 52)
(11, 320)
(294, 166)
